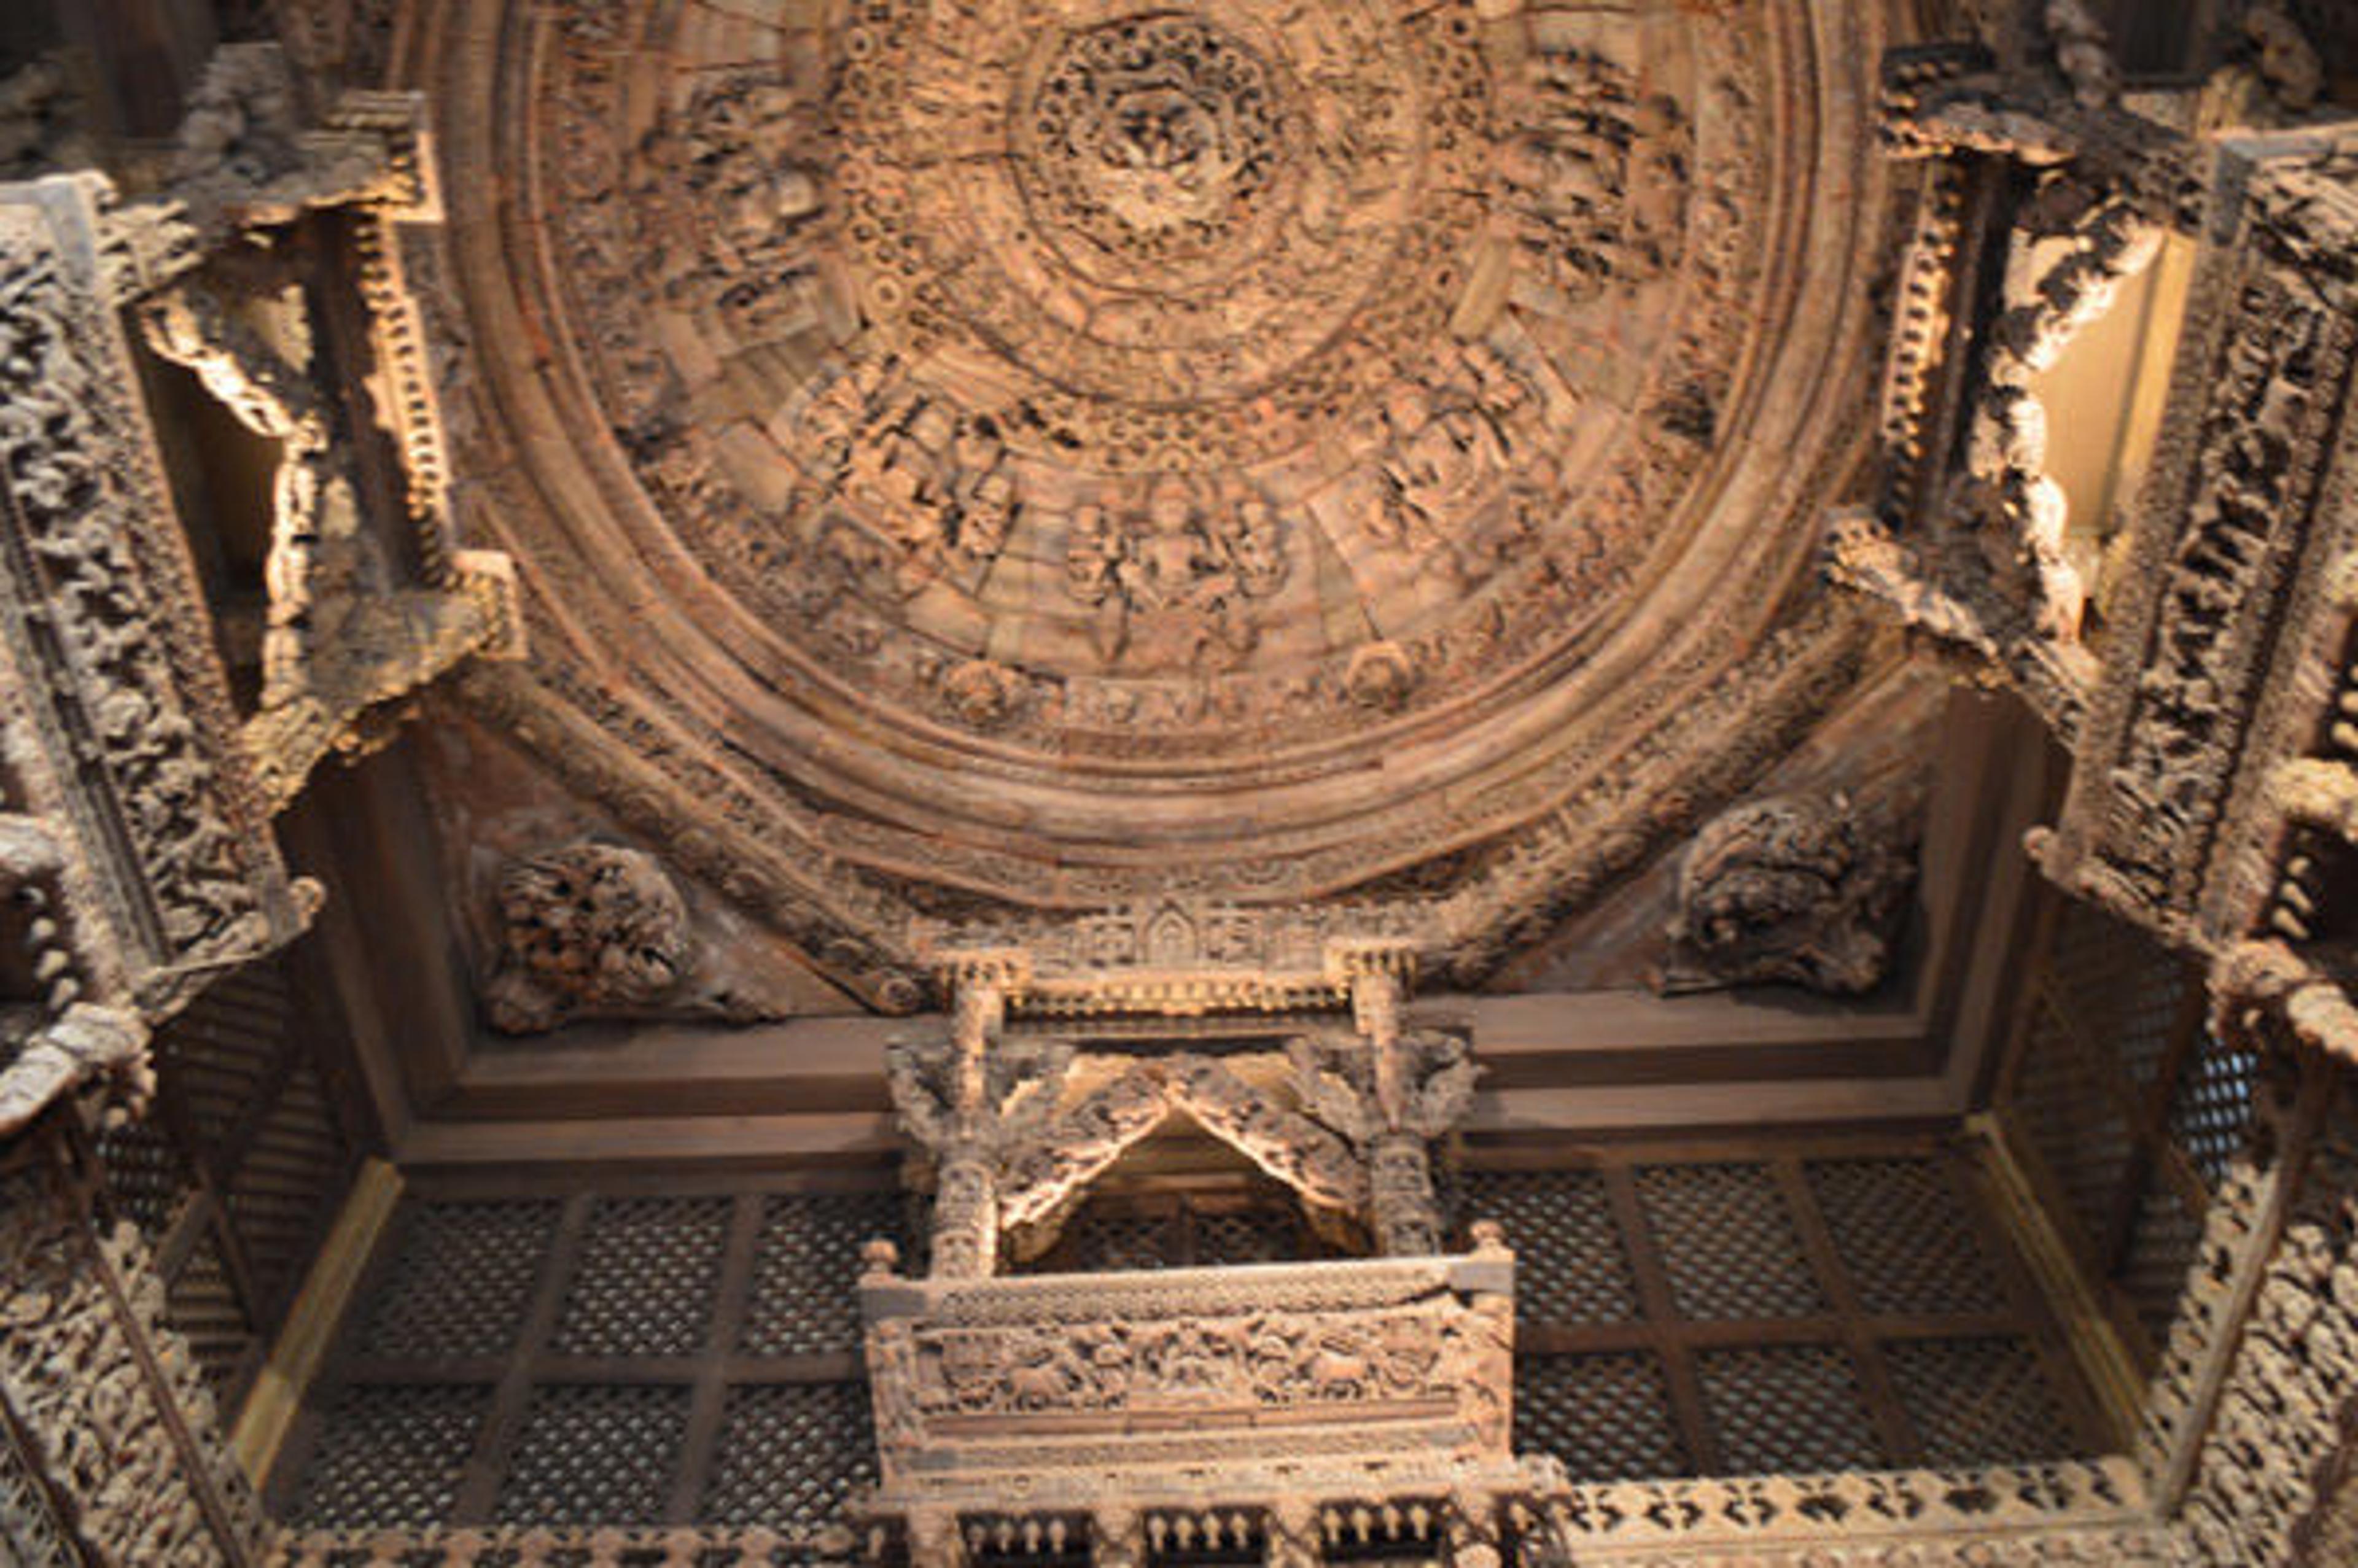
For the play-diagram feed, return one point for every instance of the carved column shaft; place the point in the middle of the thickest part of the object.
(966, 1215)
(1407, 1213)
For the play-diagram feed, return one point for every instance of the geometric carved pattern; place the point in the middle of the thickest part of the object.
(2076, 1126)
(294, 1156)
(646, 1280)
(1607, 1417)
(204, 1308)
(806, 1269)
(595, 1453)
(237, 1168)
(1727, 1242)
(1905, 1237)
(1978, 1401)
(1600, 1382)
(2211, 1106)
(789, 1455)
(2161, 1245)
(1570, 1263)
(462, 1280)
(392, 1455)
(1788, 1409)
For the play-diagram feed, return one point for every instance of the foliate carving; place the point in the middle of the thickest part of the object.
(1283, 1142)
(1795, 889)
(589, 929)
(2286, 60)
(2083, 51)
(42, 122)
(116, 1412)
(1014, 1151)
(1390, 1095)
(244, 155)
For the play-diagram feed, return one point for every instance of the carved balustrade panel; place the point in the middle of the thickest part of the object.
(1068, 1378)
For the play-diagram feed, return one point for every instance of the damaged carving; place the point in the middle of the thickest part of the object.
(1794, 888)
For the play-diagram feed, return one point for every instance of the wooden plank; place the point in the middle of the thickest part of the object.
(1901, 1446)
(1660, 1309)
(478, 1483)
(722, 1339)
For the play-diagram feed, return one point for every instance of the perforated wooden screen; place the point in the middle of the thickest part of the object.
(1810, 1310)
(242, 1162)
(694, 1355)
(2123, 1110)
(609, 1357)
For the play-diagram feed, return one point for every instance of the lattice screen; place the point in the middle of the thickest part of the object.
(602, 1360)
(240, 1164)
(1256, 1223)
(1806, 1312)
(2125, 1110)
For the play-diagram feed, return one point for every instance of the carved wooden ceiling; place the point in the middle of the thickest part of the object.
(1005, 458)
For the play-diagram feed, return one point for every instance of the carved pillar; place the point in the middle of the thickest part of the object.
(966, 1200)
(2285, 1432)
(98, 1396)
(1407, 1213)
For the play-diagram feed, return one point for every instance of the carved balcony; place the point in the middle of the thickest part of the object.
(1268, 1392)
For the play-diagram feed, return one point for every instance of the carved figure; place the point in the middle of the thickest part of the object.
(587, 927)
(2084, 48)
(1171, 585)
(2287, 63)
(1596, 173)
(1803, 890)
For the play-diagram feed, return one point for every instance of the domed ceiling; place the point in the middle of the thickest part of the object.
(987, 458)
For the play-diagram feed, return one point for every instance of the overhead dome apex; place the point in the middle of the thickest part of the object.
(1069, 450)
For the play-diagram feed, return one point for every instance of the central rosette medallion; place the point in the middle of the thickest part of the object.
(1119, 374)
(1154, 138)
